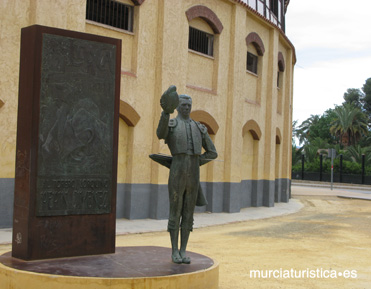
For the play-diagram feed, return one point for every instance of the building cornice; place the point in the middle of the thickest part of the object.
(262, 17)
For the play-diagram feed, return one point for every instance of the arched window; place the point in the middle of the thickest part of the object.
(252, 62)
(252, 127)
(112, 13)
(251, 164)
(252, 58)
(278, 136)
(128, 114)
(201, 39)
(281, 69)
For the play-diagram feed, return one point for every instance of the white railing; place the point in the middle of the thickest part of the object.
(263, 8)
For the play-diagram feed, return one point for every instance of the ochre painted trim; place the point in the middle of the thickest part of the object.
(254, 38)
(203, 89)
(206, 119)
(252, 102)
(128, 73)
(128, 113)
(206, 14)
(252, 127)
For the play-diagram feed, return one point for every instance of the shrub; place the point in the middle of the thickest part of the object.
(350, 168)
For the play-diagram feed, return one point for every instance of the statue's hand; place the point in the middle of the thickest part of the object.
(169, 99)
(162, 103)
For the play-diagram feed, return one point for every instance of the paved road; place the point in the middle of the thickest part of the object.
(301, 188)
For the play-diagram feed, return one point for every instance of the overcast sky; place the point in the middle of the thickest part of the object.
(332, 39)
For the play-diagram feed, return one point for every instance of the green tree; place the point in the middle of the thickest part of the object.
(350, 121)
(354, 154)
(316, 126)
(321, 129)
(366, 99)
(313, 149)
(365, 141)
(303, 131)
(353, 96)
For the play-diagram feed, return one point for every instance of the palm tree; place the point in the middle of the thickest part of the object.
(351, 121)
(354, 154)
(340, 124)
(302, 132)
(314, 148)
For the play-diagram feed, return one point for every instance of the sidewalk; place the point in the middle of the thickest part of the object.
(125, 226)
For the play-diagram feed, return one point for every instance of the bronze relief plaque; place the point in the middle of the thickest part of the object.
(75, 126)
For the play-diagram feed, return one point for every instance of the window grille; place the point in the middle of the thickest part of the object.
(110, 13)
(252, 63)
(201, 41)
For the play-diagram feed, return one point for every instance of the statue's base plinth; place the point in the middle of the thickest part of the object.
(129, 267)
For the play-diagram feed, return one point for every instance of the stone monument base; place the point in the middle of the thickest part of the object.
(130, 267)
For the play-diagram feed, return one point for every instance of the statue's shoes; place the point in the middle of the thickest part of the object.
(177, 259)
(186, 260)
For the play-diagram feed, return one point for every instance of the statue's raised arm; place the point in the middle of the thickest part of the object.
(169, 101)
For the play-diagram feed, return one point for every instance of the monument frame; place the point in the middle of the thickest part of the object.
(77, 229)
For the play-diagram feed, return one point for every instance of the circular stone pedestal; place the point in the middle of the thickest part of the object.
(129, 267)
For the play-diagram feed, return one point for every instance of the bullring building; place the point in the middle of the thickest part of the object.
(231, 56)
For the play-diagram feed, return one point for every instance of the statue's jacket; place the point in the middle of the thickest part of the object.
(173, 131)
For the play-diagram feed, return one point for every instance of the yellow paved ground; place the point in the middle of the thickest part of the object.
(329, 234)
